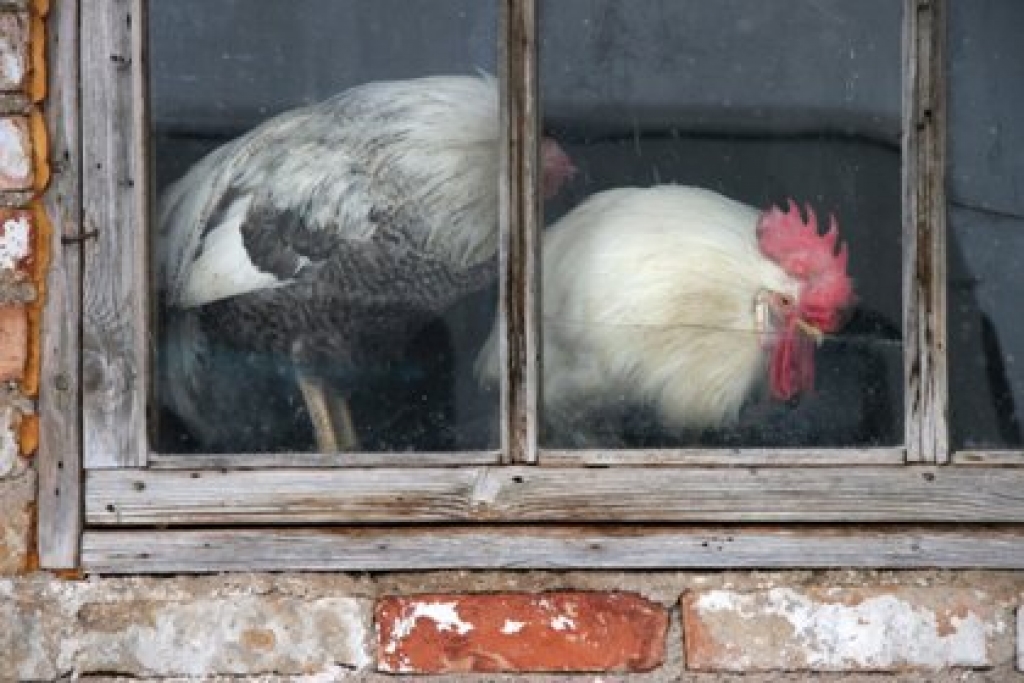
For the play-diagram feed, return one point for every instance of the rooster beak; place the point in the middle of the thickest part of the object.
(811, 331)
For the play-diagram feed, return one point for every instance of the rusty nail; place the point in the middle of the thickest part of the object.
(74, 239)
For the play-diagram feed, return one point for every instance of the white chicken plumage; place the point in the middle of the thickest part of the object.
(428, 143)
(328, 235)
(663, 297)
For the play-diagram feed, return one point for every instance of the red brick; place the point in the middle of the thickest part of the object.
(520, 632)
(15, 154)
(14, 56)
(13, 342)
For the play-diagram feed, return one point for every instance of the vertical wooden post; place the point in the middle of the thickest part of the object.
(59, 460)
(115, 311)
(924, 231)
(519, 281)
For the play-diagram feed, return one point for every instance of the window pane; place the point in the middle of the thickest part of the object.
(667, 320)
(986, 221)
(342, 256)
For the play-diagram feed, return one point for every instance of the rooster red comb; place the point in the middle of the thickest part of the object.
(813, 258)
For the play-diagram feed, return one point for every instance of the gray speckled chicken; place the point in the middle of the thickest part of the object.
(328, 236)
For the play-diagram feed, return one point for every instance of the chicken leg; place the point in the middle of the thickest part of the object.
(330, 414)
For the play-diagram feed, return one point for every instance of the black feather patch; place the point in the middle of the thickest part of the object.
(278, 242)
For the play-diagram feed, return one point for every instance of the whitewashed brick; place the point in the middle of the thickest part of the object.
(16, 496)
(242, 635)
(10, 462)
(15, 154)
(14, 57)
(27, 637)
(838, 629)
(15, 238)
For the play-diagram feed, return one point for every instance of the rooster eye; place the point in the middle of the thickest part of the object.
(785, 301)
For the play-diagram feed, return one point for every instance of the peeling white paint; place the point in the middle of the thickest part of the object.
(563, 623)
(404, 666)
(14, 158)
(9, 448)
(444, 615)
(358, 648)
(510, 626)
(719, 601)
(14, 241)
(878, 632)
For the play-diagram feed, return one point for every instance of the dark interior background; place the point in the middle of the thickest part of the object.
(986, 223)
(759, 99)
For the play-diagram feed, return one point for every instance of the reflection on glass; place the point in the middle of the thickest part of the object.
(986, 224)
(325, 263)
(676, 316)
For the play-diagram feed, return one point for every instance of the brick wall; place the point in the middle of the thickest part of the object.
(473, 626)
(724, 626)
(22, 264)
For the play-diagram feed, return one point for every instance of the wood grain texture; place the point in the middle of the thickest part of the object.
(59, 458)
(346, 460)
(571, 495)
(924, 231)
(519, 286)
(998, 458)
(579, 547)
(115, 275)
(739, 457)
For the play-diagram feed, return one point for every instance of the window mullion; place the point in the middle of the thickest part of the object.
(114, 329)
(519, 229)
(924, 241)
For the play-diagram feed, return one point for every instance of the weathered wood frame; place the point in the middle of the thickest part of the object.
(60, 410)
(518, 507)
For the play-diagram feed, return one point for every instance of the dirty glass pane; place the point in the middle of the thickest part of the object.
(986, 223)
(667, 322)
(338, 262)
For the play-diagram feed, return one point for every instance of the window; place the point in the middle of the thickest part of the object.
(839, 104)
(985, 219)
(393, 368)
(761, 102)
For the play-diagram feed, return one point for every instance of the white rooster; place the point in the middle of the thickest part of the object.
(681, 300)
(325, 239)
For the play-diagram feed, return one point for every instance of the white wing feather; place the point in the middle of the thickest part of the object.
(431, 142)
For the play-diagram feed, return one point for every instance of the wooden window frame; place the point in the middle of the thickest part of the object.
(107, 505)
